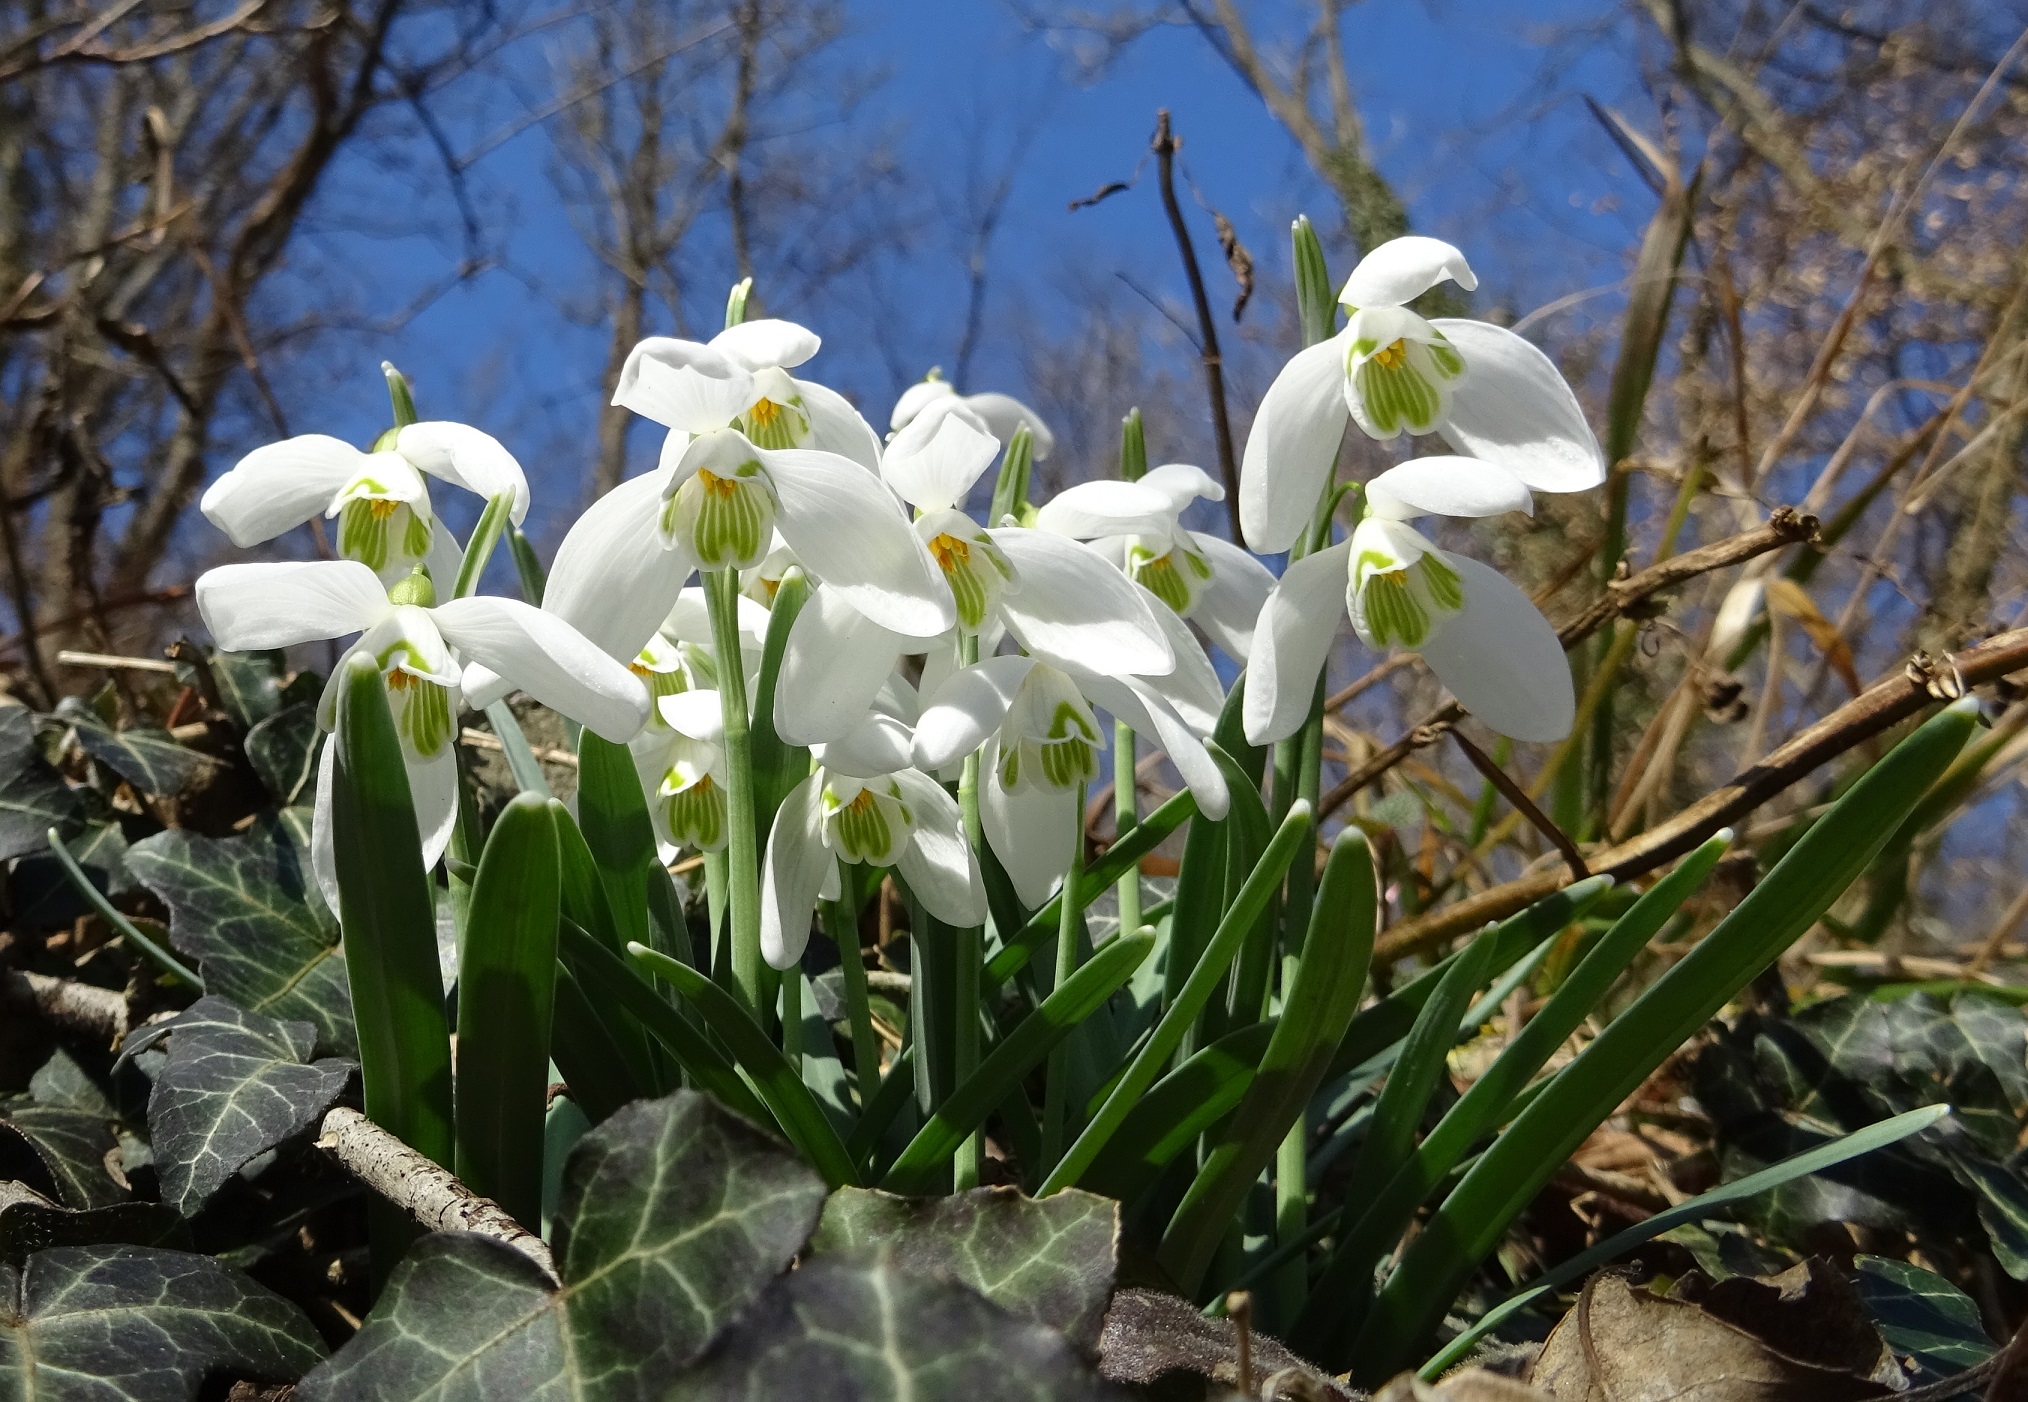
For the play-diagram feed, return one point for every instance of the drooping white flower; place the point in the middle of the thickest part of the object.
(1055, 596)
(680, 758)
(1488, 392)
(1039, 739)
(419, 646)
(380, 498)
(866, 802)
(1138, 525)
(999, 414)
(718, 500)
(1479, 633)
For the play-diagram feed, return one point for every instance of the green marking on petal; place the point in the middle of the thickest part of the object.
(1444, 356)
(416, 544)
(422, 711)
(861, 830)
(362, 530)
(696, 815)
(1445, 589)
(1159, 576)
(1392, 612)
(725, 521)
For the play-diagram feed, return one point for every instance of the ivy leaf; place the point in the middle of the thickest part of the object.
(249, 683)
(1922, 1317)
(137, 1324)
(59, 1151)
(147, 757)
(283, 751)
(246, 909)
(28, 1225)
(1050, 1261)
(236, 1084)
(675, 1215)
(871, 1328)
(33, 796)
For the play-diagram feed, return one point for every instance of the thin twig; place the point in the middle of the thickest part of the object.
(1523, 804)
(1164, 146)
(1622, 597)
(422, 1189)
(66, 1003)
(70, 657)
(1886, 704)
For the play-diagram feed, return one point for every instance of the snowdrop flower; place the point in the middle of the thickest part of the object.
(1032, 722)
(680, 758)
(1138, 526)
(417, 643)
(379, 498)
(1487, 391)
(1479, 633)
(1054, 595)
(866, 802)
(717, 501)
(998, 414)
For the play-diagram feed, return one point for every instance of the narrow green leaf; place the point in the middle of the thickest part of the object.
(897, 1088)
(615, 983)
(534, 579)
(1196, 991)
(1179, 1107)
(111, 914)
(1018, 1053)
(1704, 1205)
(521, 760)
(612, 814)
(506, 1001)
(780, 1085)
(1379, 1027)
(389, 921)
(1316, 299)
(1315, 1011)
(599, 1074)
(1776, 913)
(1342, 1291)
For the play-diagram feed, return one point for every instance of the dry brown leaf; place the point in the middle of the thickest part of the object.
(1787, 598)
(1801, 1336)
(1466, 1385)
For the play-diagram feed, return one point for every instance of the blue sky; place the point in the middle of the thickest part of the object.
(1473, 109)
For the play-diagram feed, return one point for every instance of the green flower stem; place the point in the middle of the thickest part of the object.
(1126, 813)
(792, 1018)
(1292, 1209)
(971, 956)
(742, 875)
(844, 931)
(1069, 923)
(493, 521)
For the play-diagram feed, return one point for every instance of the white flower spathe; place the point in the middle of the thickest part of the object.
(379, 498)
(1488, 392)
(1479, 633)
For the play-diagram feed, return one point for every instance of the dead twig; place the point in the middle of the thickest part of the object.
(1523, 804)
(1886, 704)
(67, 1004)
(1164, 146)
(422, 1189)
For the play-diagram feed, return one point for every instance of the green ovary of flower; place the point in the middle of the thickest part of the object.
(976, 572)
(368, 527)
(725, 522)
(695, 815)
(1403, 605)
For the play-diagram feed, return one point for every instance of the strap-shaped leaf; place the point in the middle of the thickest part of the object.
(1181, 1106)
(1776, 913)
(506, 996)
(1195, 991)
(1018, 1053)
(780, 1085)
